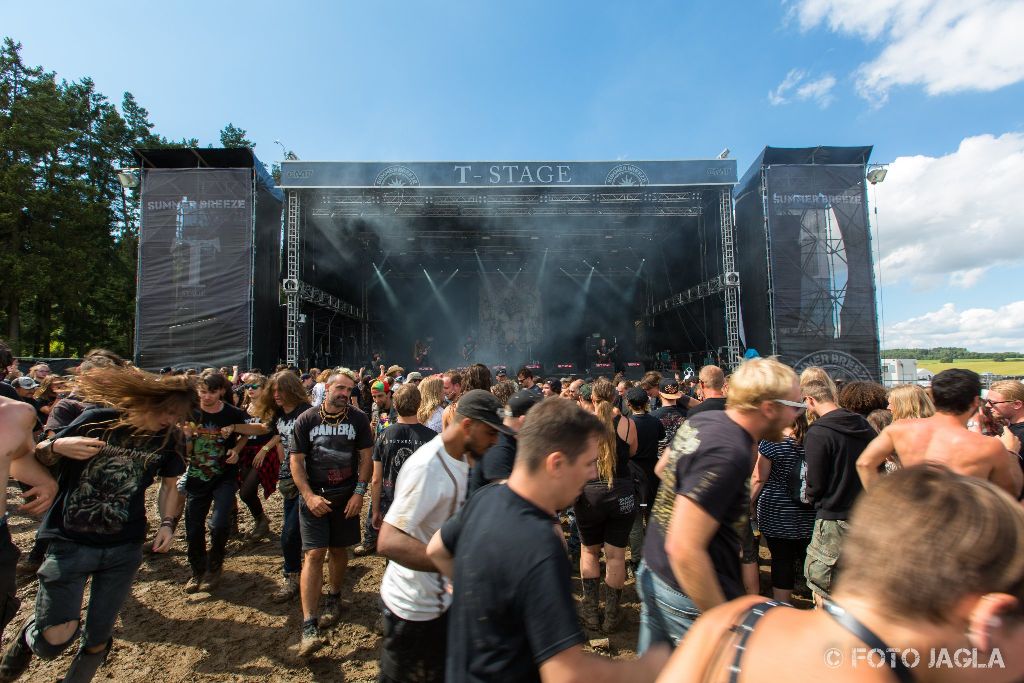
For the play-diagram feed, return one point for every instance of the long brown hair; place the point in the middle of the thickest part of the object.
(137, 392)
(291, 389)
(602, 394)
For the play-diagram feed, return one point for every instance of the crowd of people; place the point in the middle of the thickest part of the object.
(895, 514)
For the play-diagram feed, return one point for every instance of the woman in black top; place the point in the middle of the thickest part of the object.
(605, 511)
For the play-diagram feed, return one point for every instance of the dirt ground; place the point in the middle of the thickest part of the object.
(239, 633)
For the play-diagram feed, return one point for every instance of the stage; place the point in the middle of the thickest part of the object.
(534, 261)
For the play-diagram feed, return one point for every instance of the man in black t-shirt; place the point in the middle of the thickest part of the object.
(97, 523)
(711, 386)
(331, 466)
(394, 445)
(692, 552)
(512, 616)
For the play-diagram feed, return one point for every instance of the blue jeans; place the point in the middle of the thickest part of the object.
(62, 578)
(291, 539)
(665, 613)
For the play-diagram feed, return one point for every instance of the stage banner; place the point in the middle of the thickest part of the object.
(821, 269)
(511, 319)
(195, 268)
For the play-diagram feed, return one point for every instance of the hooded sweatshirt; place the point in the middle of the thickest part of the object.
(831, 446)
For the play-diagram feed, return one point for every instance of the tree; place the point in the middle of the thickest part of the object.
(230, 136)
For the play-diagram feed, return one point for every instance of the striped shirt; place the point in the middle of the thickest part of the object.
(777, 515)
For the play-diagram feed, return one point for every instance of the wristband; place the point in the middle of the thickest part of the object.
(361, 488)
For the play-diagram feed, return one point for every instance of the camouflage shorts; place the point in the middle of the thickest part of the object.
(823, 555)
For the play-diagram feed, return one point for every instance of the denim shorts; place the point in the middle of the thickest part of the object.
(665, 613)
(62, 578)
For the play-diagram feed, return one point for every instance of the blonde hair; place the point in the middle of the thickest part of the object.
(910, 401)
(602, 394)
(758, 380)
(431, 397)
(333, 377)
(1010, 389)
(982, 548)
(322, 377)
(816, 383)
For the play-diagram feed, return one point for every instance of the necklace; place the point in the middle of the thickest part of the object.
(332, 419)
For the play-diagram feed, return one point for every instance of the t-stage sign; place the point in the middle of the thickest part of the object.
(466, 174)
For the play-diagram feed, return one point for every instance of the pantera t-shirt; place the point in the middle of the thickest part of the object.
(332, 448)
(102, 501)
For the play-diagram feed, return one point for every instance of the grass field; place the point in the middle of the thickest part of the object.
(980, 366)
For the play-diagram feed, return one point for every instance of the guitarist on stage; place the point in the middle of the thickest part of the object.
(468, 348)
(421, 352)
(604, 353)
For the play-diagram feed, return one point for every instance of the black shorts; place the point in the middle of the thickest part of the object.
(605, 515)
(333, 530)
(9, 554)
(413, 651)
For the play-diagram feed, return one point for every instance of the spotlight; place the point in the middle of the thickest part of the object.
(724, 154)
(877, 174)
(128, 177)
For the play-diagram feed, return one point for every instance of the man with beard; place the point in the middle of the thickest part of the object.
(430, 489)
(331, 465)
(691, 559)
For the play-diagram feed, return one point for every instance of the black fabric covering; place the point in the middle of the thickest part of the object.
(806, 269)
(209, 261)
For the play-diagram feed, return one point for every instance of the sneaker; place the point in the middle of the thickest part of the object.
(289, 589)
(312, 639)
(331, 611)
(364, 549)
(192, 586)
(18, 656)
(210, 581)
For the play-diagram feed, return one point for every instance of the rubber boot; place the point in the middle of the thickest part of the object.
(591, 604)
(612, 609)
(84, 665)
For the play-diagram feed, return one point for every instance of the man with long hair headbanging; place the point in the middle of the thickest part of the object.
(108, 457)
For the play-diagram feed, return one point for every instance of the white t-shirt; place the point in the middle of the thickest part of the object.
(431, 487)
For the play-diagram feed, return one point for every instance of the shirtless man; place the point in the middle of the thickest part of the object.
(944, 438)
(16, 422)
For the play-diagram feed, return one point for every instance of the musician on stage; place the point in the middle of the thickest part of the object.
(421, 352)
(468, 348)
(604, 353)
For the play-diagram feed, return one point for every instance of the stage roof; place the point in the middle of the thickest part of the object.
(506, 174)
(803, 156)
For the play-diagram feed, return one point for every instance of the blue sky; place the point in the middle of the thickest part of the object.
(936, 88)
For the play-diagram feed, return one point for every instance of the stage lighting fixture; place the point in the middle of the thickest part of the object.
(724, 154)
(128, 177)
(877, 174)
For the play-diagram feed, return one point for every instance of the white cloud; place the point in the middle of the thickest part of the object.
(796, 87)
(944, 45)
(952, 217)
(977, 329)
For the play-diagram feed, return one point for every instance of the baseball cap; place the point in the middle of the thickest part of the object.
(502, 372)
(166, 370)
(521, 402)
(25, 383)
(413, 376)
(637, 395)
(669, 389)
(305, 375)
(484, 406)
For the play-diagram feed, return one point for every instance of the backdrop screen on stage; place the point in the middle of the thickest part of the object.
(195, 265)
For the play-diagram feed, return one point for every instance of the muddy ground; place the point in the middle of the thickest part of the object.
(238, 633)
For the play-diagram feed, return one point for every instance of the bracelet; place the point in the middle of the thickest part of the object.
(361, 488)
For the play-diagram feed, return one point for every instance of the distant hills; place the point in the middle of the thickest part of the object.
(948, 354)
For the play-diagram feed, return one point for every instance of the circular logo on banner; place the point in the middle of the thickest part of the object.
(396, 176)
(626, 175)
(838, 364)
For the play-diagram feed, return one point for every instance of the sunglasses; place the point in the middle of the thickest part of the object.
(791, 404)
(252, 386)
(995, 403)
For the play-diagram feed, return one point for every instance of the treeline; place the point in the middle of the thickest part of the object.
(68, 230)
(948, 354)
